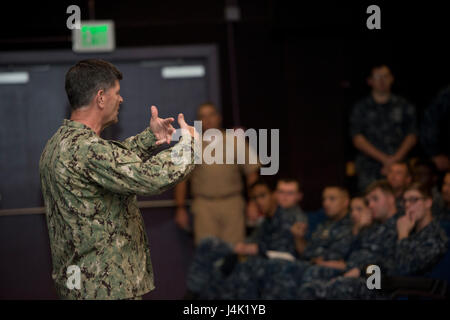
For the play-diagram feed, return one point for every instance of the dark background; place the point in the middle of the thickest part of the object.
(299, 66)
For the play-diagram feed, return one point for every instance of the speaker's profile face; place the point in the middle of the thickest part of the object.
(113, 99)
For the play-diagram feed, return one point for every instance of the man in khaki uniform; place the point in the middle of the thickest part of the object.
(218, 205)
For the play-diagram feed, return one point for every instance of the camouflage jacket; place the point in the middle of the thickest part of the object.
(376, 247)
(275, 233)
(331, 240)
(420, 251)
(385, 126)
(89, 186)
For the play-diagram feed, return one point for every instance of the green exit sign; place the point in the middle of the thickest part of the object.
(94, 36)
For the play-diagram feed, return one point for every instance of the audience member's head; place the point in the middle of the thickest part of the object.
(209, 115)
(446, 189)
(380, 79)
(264, 197)
(288, 192)
(424, 172)
(335, 201)
(381, 200)
(360, 212)
(399, 177)
(418, 201)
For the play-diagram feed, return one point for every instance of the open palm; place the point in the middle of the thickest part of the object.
(161, 128)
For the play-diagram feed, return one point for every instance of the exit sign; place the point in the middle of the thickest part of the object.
(94, 36)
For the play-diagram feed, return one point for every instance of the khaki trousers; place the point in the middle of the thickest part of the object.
(222, 217)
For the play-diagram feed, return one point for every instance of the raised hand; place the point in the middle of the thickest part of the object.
(299, 229)
(352, 273)
(185, 126)
(405, 224)
(161, 128)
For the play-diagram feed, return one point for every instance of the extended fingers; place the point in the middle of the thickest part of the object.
(154, 111)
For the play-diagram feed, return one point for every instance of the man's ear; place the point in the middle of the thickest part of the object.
(100, 98)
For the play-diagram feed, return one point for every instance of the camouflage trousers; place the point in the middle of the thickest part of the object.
(284, 278)
(208, 280)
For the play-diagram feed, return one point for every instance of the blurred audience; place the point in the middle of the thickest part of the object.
(414, 246)
(216, 259)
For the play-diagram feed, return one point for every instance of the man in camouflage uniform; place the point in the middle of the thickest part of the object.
(435, 130)
(383, 128)
(90, 185)
(409, 245)
(216, 271)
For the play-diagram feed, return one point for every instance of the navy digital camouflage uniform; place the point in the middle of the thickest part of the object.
(89, 186)
(317, 272)
(414, 255)
(385, 126)
(206, 277)
(379, 239)
(435, 129)
(280, 279)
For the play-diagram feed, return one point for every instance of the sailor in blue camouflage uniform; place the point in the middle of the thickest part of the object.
(363, 227)
(382, 127)
(418, 245)
(219, 270)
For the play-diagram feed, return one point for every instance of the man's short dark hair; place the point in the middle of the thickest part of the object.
(290, 180)
(84, 79)
(262, 182)
(422, 188)
(341, 189)
(383, 185)
(377, 65)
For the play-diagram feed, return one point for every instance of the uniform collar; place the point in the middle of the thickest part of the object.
(75, 124)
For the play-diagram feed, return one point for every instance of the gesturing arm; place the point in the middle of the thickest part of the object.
(120, 170)
(159, 132)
